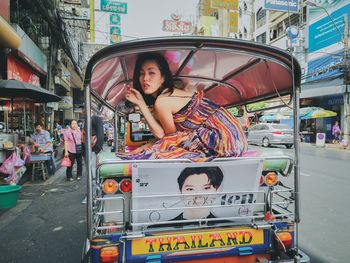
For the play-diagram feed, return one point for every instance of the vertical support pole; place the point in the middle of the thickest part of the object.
(346, 122)
(88, 156)
(92, 21)
(296, 102)
(116, 131)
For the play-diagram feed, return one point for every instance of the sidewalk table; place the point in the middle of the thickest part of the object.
(39, 165)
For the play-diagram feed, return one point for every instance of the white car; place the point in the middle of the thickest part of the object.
(268, 134)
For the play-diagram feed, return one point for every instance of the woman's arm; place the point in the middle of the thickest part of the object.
(164, 112)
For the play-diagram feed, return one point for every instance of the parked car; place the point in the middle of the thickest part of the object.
(268, 134)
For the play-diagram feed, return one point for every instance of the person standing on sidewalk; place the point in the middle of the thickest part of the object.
(73, 149)
(336, 132)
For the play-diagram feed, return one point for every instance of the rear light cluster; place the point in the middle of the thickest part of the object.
(277, 132)
(284, 240)
(269, 179)
(111, 186)
(109, 254)
(106, 250)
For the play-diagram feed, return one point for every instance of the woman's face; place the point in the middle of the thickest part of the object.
(198, 183)
(150, 77)
(74, 125)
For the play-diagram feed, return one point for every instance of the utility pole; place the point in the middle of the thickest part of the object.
(346, 72)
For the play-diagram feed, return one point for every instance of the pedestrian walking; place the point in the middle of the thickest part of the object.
(336, 132)
(73, 149)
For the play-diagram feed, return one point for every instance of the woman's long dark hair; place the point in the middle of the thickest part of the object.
(164, 71)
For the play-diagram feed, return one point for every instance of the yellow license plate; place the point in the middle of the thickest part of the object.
(192, 241)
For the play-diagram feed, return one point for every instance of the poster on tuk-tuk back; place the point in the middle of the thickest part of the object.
(180, 194)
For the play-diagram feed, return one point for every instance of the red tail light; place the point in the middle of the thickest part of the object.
(125, 186)
(284, 240)
(277, 132)
(109, 254)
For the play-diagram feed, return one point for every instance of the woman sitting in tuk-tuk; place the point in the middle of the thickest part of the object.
(185, 124)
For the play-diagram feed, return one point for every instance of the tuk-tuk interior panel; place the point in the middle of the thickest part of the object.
(103, 73)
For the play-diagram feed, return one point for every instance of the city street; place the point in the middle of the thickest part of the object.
(49, 223)
(325, 213)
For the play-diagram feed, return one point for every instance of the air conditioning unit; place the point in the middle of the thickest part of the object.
(44, 42)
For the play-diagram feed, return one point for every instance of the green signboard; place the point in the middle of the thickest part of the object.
(114, 6)
(114, 35)
(114, 19)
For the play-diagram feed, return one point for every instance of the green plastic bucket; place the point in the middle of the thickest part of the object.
(9, 195)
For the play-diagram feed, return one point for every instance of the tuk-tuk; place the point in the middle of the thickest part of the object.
(134, 207)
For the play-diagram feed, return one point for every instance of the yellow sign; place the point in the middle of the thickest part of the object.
(225, 4)
(197, 241)
(233, 18)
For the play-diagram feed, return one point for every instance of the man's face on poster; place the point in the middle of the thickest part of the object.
(198, 183)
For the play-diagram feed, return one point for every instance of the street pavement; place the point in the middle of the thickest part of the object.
(48, 224)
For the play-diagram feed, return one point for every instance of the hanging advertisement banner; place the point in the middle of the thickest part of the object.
(282, 5)
(233, 18)
(114, 6)
(114, 19)
(18, 71)
(194, 191)
(325, 67)
(225, 4)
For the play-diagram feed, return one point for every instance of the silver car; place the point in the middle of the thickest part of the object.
(268, 134)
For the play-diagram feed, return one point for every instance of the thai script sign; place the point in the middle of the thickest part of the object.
(177, 26)
(282, 5)
(114, 6)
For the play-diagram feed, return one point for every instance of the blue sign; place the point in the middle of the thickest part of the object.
(324, 33)
(324, 67)
(282, 5)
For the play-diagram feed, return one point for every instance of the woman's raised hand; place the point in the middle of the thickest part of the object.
(134, 96)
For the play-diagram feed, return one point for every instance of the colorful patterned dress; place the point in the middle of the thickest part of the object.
(204, 131)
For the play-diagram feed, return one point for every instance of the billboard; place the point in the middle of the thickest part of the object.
(324, 33)
(225, 4)
(282, 5)
(325, 67)
(214, 192)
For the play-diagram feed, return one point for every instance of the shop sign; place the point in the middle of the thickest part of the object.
(114, 19)
(233, 18)
(177, 26)
(282, 5)
(225, 4)
(18, 71)
(325, 67)
(19, 105)
(114, 6)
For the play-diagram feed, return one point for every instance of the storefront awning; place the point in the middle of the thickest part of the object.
(322, 88)
(8, 36)
(17, 89)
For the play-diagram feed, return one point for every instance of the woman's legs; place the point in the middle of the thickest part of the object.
(79, 158)
(71, 157)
